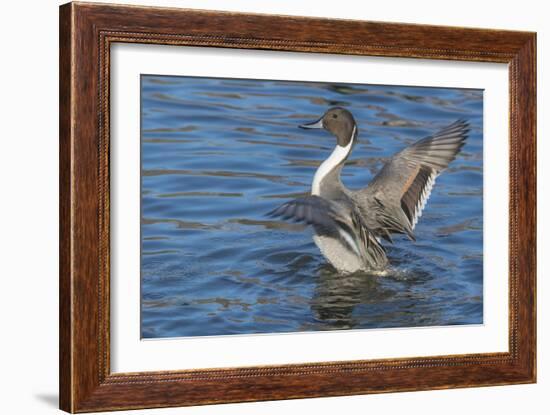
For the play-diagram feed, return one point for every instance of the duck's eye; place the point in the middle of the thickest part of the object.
(334, 115)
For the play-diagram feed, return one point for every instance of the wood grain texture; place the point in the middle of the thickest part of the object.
(65, 246)
(86, 34)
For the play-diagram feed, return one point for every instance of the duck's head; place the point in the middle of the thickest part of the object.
(339, 122)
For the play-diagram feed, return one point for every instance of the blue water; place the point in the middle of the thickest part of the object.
(217, 154)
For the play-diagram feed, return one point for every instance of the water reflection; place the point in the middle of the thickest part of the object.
(336, 296)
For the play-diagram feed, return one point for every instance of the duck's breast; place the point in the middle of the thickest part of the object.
(338, 254)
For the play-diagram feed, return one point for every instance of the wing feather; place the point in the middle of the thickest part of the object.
(338, 219)
(311, 210)
(399, 192)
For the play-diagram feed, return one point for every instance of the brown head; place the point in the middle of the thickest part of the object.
(337, 121)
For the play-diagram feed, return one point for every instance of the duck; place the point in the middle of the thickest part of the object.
(351, 225)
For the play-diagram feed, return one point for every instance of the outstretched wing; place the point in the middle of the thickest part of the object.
(335, 218)
(399, 192)
(311, 210)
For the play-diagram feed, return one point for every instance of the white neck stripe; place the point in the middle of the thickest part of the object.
(338, 155)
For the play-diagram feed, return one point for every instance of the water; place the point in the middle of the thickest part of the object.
(217, 154)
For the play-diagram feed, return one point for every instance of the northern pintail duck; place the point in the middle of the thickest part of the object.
(350, 224)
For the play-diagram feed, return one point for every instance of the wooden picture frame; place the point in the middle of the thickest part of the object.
(86, 33)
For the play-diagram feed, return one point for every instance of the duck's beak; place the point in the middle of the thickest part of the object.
(314, 124)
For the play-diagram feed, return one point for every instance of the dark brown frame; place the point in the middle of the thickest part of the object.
(86, 33)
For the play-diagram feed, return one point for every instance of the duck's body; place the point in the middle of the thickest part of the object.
(349, 225)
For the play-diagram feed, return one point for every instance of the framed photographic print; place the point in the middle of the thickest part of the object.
(252, 208)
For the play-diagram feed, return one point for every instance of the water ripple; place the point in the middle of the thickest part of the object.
(217, 154)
